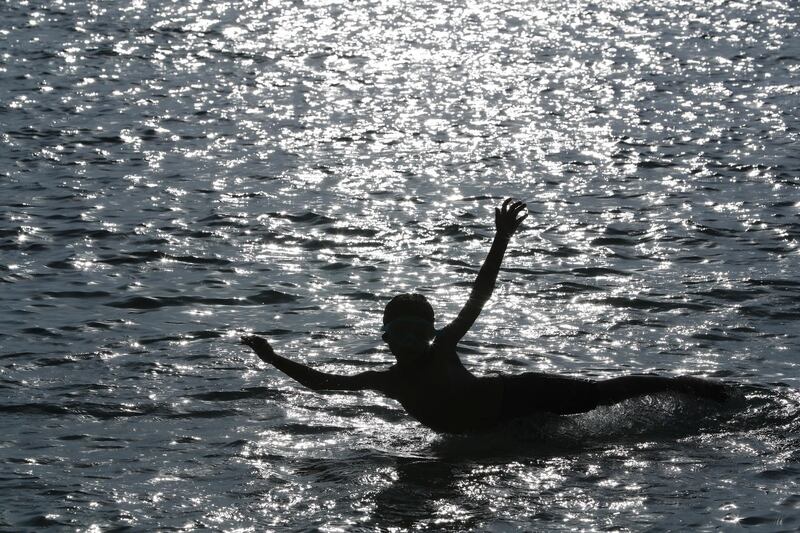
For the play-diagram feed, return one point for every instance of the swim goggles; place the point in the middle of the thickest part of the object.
(424, 327)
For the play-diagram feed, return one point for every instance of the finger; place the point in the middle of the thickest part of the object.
(523, 217)
(505, 204)
(516, 208)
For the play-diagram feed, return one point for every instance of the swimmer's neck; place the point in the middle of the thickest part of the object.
(413, 363)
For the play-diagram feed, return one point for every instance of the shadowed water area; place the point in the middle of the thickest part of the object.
(175, 174)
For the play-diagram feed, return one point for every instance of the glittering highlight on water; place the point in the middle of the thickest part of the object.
(177, 173)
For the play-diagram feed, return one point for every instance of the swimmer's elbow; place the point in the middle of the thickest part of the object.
(320, 381)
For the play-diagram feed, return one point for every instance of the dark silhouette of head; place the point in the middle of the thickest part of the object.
(408, 306)
(408, 327)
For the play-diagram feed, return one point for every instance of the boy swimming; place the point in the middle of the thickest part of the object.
(431, 383)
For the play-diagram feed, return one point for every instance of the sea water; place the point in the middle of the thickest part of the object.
(175, 174)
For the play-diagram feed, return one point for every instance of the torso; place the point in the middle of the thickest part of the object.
(443, 395)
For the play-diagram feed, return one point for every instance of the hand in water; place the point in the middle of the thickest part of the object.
(259, 345)
(505, 217)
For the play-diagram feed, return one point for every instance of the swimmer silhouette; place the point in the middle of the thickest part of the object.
(435, 388)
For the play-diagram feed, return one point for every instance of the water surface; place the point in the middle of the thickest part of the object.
(174, 174)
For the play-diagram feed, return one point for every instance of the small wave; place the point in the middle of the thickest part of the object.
(84, 233)
(145, 302)
(54, 361)
(257, 393)
(779, 284)
(716, 232)
(388, 414)
(654, 164)
(351, 232)
(217, 413)
(96, 410)
(35, 409)
(613, 241)
(758, 311)
(204, 334)
(13, 278)
(156, 340)
(42, 521)
(561, 251)
(278, 331)
(111, 411)
(690, 259)
(16, 354)
(104, 139)
(364, 296)
(779, 473)
(272, 297)
(238, 443)
(305, 429)
(775, 519)
(80, 436)
(183, 337)
(573, 288)
(730, 294)
(335, 266)
(720, 336)
(100, 325)
(199, 260)
(215, 221)
(42, 332)
(592, 272)
(65, 264)
(146, 257)
(321, 244)
(650, 305)
(308, 218)
(78, 294)
(151, 302)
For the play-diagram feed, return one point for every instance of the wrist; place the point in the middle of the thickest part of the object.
(268, 356)
(265, 351)
(503, 235)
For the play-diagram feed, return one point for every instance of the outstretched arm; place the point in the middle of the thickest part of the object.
(507, 223)
(314, 379)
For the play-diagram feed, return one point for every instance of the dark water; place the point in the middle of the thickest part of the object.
(173, 174)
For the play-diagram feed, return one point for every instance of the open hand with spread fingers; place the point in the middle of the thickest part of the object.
(260, 345)
(505, 217)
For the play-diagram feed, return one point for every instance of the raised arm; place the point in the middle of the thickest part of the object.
(506, 223)
(314, 379)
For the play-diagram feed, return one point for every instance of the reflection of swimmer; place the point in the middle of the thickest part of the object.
(433, 385)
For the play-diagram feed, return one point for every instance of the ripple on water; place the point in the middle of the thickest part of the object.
(176, 173)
